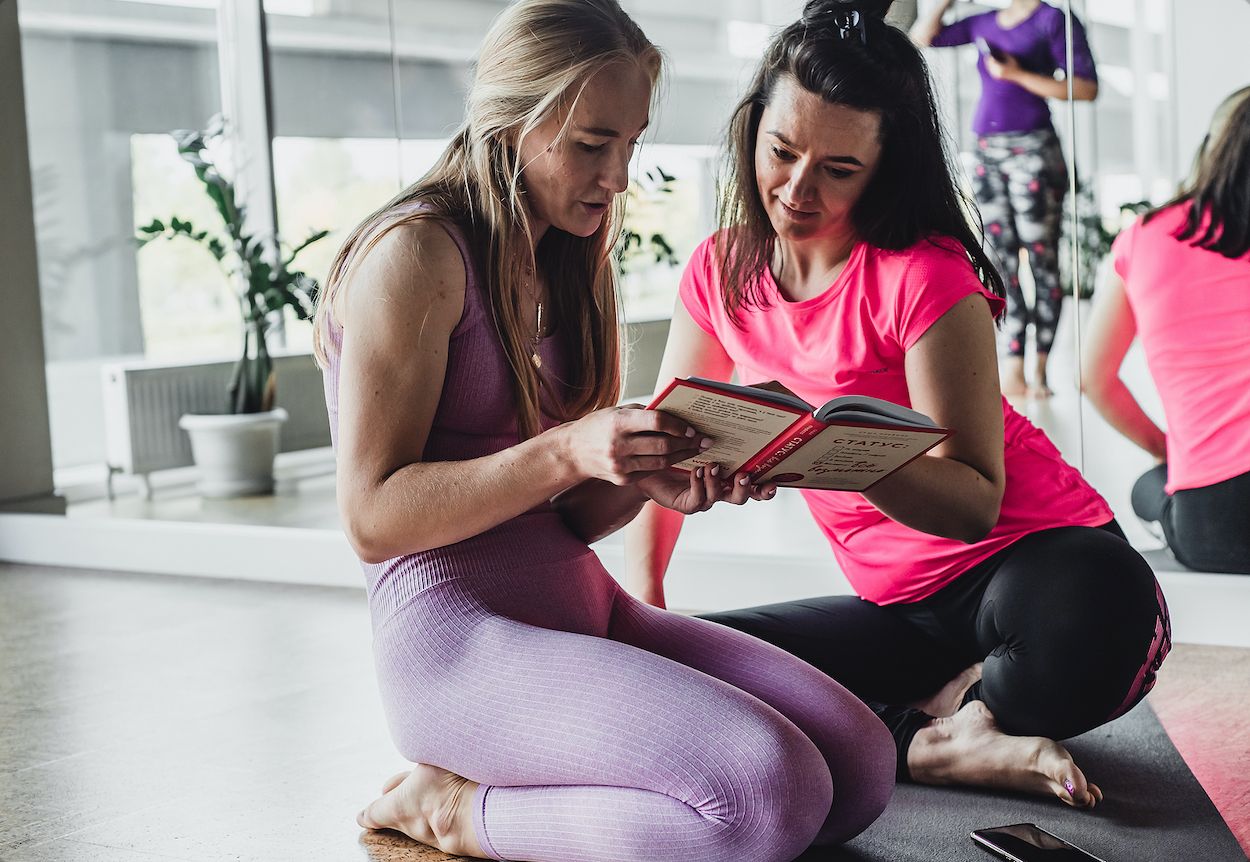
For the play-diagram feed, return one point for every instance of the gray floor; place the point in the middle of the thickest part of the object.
(152, 718)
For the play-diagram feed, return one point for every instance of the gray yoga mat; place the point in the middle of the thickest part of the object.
(1154, 809)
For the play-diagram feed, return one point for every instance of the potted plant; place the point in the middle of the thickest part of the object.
(234, 450)
(640, 250)
(632, 248)
(1093, 238)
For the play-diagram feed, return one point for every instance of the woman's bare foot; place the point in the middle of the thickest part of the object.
(1039, 388)
(430, 805)
(947, 700)
(1012, 382)
(968, 748)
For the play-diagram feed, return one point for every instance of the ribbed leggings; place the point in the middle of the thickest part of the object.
(604, 729)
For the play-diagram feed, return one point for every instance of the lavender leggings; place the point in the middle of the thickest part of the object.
(601, 728)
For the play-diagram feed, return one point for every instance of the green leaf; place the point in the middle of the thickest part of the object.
(316, 237)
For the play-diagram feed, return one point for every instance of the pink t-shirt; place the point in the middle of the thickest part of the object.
(1192, 308)
(852, 339)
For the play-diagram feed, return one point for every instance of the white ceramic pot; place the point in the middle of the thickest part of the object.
(234, 452)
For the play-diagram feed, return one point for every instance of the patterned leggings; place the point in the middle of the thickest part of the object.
(1020, 181)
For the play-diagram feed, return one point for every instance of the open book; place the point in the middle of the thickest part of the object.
(848, 444)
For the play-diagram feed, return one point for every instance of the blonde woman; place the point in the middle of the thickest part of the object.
(468, 335)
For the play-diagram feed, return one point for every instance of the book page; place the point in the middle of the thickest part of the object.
(739, 428)
(851, 457)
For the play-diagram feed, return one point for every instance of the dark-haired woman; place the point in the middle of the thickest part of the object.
(1181, 283)
(844, 266)
(1020, 178)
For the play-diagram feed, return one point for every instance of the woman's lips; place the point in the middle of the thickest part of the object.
(796, 214)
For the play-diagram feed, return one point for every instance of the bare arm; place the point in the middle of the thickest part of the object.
(402, 304)
(1048, 87)
(1112, 329)
(927, 26)
(956, 489)
(650, 539)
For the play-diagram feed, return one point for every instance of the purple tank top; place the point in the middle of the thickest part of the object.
(1040, 44)
(476, 416)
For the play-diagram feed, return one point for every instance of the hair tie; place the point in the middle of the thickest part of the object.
(844, 21)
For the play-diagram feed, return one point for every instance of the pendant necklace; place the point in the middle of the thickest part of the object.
(538, 337)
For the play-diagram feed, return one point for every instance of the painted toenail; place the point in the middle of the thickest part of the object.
(1069, 787)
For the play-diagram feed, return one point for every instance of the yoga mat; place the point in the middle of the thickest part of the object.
(1154, 809)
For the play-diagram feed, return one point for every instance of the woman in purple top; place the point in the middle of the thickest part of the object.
(1020, 177)
(468, 334)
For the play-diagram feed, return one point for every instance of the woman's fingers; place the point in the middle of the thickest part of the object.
(698, 501)
(763, 492)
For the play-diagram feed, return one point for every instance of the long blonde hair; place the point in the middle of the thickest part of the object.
(535, 62)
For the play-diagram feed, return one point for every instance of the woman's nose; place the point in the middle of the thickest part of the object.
(799, 187)
(616, 177)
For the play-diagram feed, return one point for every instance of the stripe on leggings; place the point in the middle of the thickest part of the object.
(1160, 645)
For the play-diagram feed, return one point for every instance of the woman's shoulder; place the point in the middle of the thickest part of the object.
(937, 250)
(411, 268)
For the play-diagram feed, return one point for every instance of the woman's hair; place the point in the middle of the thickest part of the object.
(534, 63)
(844, 52)
(1219, 191)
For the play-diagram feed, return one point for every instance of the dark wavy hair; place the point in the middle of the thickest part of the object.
(868, 66)
(1219, 218)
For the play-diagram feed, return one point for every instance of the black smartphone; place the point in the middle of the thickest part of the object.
(1025, 842)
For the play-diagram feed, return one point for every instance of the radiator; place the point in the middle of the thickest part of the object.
(144, 400)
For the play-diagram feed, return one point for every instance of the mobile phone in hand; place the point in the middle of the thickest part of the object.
(988, 51)
(1027, 842)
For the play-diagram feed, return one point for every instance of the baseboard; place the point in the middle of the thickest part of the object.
(1206, 608)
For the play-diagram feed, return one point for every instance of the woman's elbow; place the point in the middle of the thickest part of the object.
(982, 520)
(1095, 385)
(368, 535)
(365, 542)
(978, 527)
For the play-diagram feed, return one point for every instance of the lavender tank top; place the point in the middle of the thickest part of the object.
(476, 416)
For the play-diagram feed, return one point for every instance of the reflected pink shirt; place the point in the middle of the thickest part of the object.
(852, 339)
(1192, 308)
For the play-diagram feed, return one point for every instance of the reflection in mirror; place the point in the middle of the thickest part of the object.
(1005, 87)
(1166, 362)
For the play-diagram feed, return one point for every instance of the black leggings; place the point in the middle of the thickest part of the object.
(1207, 529)
(1070, 623)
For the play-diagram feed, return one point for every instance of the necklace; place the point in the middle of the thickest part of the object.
(538, 337)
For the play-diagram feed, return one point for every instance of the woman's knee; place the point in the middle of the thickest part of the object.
(773, 792)
(1080, 654)
(863, 781)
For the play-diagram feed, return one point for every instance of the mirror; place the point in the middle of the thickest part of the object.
(1165, 67)
(1000, 68)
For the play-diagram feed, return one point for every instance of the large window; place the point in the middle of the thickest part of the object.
(104, 80)
(365, 95)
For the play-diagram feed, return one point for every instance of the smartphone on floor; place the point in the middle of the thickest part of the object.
(1026, 842)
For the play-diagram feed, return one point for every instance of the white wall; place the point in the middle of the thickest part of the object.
(1212, 60)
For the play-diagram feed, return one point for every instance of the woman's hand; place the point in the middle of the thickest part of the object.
(622, 445)
(1007, 68)
(699, 489)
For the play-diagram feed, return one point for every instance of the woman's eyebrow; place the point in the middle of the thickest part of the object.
(842, 159)
(604, 132)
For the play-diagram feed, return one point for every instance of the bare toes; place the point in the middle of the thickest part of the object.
(394, 781)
